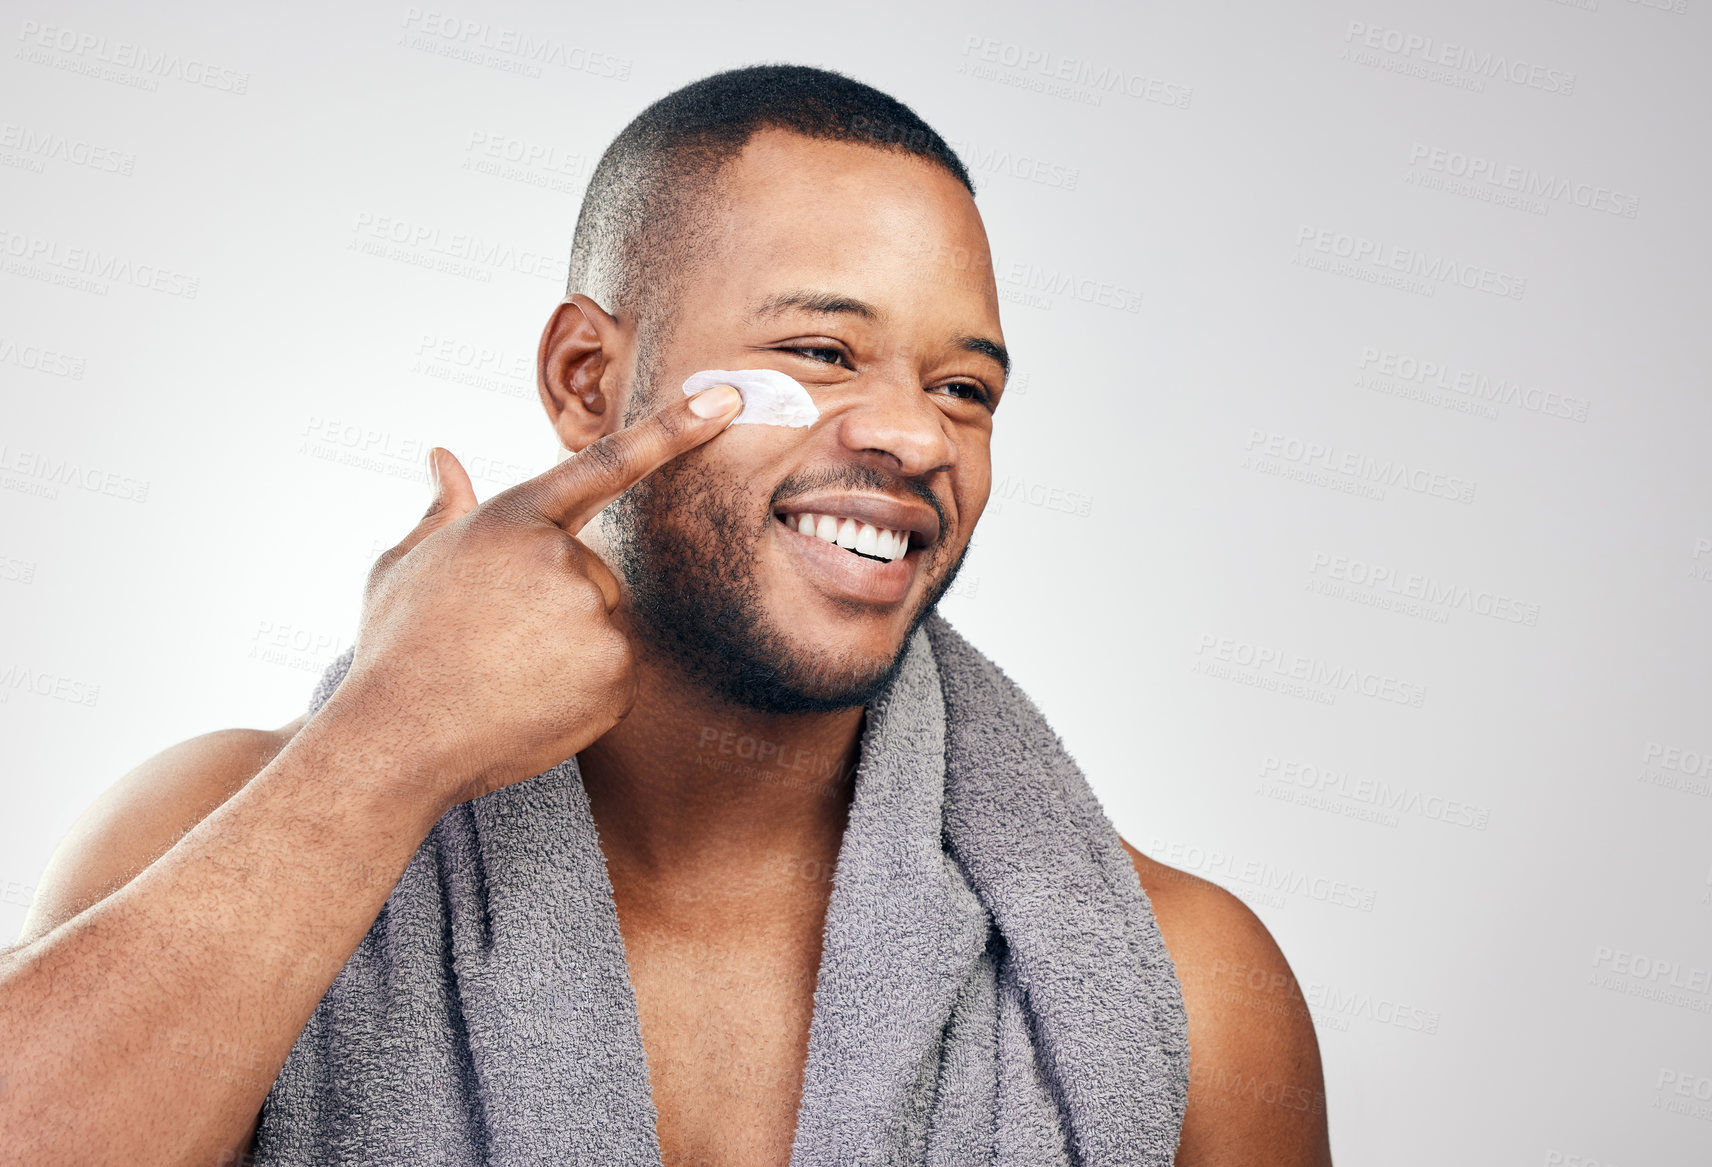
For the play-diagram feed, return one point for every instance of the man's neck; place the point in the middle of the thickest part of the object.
(690, 793)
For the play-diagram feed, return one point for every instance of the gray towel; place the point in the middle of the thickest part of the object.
(993, 987)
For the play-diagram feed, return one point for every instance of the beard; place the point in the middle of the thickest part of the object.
(687, 541)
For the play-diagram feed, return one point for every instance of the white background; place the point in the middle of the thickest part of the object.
(1488, 895)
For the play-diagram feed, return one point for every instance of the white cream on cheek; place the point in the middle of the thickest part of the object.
(769, 396)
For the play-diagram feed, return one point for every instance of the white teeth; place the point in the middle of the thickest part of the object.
(864, 538)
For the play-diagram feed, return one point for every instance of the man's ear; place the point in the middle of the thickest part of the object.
(581, 349)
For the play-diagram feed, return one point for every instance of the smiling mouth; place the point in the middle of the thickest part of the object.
(880, 544)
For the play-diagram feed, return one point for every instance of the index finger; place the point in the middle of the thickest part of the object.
(577, 489)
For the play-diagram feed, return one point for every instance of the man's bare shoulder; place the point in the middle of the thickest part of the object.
(143, 814)
(1256, 1089)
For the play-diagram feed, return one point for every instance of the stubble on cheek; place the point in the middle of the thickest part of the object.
(687, 542)
(681, 547)
(687, 545)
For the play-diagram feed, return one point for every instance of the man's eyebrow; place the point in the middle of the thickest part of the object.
(987, 348)
(811, 300)
(824, 303)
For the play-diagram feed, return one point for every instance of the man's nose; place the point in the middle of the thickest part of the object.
(894, 416)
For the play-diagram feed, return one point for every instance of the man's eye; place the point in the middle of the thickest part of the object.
(975, 392)
(962, 390)
(832, 356)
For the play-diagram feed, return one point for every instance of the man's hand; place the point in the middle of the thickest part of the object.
(203, 907)
(487, 652)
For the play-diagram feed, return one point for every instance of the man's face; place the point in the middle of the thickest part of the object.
(864, 275)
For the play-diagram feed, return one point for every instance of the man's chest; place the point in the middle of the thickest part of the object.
(725, 1025)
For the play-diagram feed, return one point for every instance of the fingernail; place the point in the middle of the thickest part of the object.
(433, 472)
(715, 402)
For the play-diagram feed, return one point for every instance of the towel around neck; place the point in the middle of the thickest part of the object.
(993, 986)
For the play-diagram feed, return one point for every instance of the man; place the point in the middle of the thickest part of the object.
(579, 652)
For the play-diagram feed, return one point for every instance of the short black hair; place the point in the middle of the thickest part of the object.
(647, 193)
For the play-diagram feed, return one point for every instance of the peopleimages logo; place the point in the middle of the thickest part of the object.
(982, 158)
(293, 646)
(34, 472)
(1689, 1088)
(533, 163)
(45, 146)
(16, 677)
(457, 33)
(1359, 467)
(1412, 585)
(1638, 974)
(1323, 674)
(1037, 69)
(90, 51)
(1217, 865)
(968, 268)
(478, 366)
(1385, 796)
(1482, 64)
(1376, 258)
(88, 269)
(1040, 494)
(1676, 768)
(1523, 181)
(455, 251)
(39, 359)
(397, 455)
(1701, 571)
(1341, 1006)
(1428, 373)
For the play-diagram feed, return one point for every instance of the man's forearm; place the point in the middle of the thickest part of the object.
(149, 1027)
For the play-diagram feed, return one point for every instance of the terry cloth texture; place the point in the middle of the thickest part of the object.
(993, 987)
